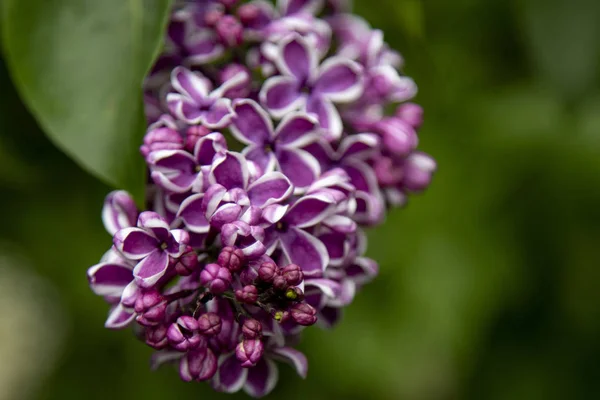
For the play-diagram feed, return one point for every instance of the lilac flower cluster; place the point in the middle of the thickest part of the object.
(268, 148)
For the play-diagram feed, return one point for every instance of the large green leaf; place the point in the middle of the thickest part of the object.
(79, 66)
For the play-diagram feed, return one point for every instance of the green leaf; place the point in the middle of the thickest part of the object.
(79, 67)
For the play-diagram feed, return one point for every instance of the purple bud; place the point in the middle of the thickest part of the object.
(209, 324)
(162, 138)
(267, 271)
(280, 283)
(151, 308)
(229, 30)
(248, 294)
(292, 274)
(216, 278)
(231, 258)
(303, 314)
(156, 336)
(187, 263)
(193, 134)
(410, 113)
(249, 352)
(418, 170)
(252, 329)
(387, 172)
(399, 138)
(198, 365)
(213, 16)
(183, 334)
(248, 14)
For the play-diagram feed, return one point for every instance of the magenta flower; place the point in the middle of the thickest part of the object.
(152, 244)
(303, 84)
(270, 146)
(279, 149)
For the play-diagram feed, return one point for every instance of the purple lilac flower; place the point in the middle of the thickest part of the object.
(269, 148)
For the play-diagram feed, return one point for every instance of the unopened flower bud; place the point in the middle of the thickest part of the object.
(156, 336)
(399, 138)
(387, 172)
(216, 278)
(213, 16)
(267, 271)
(252, 329)
(183, 334)
(303, 314)
(150, 307)
(249, 352)
(418, 170)
(248, 294)
(410, 113)
(229, 30)
(231, 258)
(209, 324)
(193, 134)
(162, 138)
(187, 263)
(280, 283)
(198, 365)
(292, 274)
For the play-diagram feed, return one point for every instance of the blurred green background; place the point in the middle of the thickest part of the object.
(489, 282)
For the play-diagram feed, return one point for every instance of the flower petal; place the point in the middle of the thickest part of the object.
(305, 250)
(327, 114)
(297, 130)
(148, 271)
(328, 287)
(219, 115)
(208, 146)
(230, 170)
(340, 80)
(225, 214)
(203, 47)
(134, 243)
(230, 375)
(119, 211)
(119, 317)
(152, 221)
(192, 214)
(281, 95)
(340, 223)
(108, 279)
(190, 84)
(173, 170)
(266, 160)
(310, 210)
(270, 188)
(274, 212)
(360, 146)
(184, 108)
(262, 378)
(362, 270)
(299, 166)
(252, 124)
(294, 357)
(297, 58)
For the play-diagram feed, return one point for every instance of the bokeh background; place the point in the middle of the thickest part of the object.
(490, 281)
